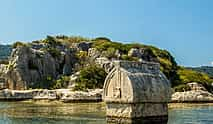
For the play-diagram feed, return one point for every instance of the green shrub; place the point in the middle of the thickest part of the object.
(101, 38)
(91, 77)
(51, 41)
(46, 83)
(129, 58)
(188, 76)
(110, 53)
(62, 82)
(18, 44)
(54, 52)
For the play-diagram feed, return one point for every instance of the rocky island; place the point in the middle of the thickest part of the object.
(74, 69)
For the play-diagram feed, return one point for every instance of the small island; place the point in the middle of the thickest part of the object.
(73, 68)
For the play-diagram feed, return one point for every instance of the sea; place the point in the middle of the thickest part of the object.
(42, 112)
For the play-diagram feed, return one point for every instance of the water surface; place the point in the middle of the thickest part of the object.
(90, 113)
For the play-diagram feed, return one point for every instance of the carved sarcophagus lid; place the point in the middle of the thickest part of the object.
(136, 89)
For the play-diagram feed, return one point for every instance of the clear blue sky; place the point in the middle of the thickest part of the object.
(184, 27)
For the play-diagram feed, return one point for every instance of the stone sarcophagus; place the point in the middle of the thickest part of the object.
(136, 91)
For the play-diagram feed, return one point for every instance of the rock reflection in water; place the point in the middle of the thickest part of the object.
(36, 113)
(93, 113)
(152, 120)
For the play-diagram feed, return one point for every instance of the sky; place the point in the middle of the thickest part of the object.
(183, 27)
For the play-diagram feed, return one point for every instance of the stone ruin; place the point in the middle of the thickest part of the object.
(136, 92)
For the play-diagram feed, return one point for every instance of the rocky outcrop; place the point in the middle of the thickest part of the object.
(105, 63)
(91, 95)
(84, 46)
(197, 94)
(28, 66)
(94, 53)
(143, 53)
(64, 95)
(73, 79)
(192, 96)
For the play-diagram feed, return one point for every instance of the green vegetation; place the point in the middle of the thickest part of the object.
(62, 82)
(91, 77)
(205, 69)
(187, 76)
(46, 83)
(50, 83)
(18, 44)
(56, 53)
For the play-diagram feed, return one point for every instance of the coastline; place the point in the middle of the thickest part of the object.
(63, 95)
(69, 96)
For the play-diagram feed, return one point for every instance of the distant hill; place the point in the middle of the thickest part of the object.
(205, 69)
(5, 51)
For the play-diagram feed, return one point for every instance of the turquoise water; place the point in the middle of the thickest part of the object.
(89, 113)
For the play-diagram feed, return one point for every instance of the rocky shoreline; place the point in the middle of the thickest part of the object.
(63, 95)
(66, 95)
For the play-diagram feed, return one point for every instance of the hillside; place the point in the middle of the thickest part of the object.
(61, 61)
(205, 69)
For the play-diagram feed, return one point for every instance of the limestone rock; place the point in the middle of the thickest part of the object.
(64, 95)
(196, 86)
(84, 46)
(105, 63)
(73, 79)
(143, 53)
(28, 66)
(192, 96)
(134, 52)
(198, 93)
(92, 95)
(69, 61)
(93, 53)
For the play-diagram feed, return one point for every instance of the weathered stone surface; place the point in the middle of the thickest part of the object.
(105, 63)
(27, 94)
(2, 84)
(93, 53)
(196, 86)
(69, 61)
(192, 96)
(64, 95)
(84, 46)
(198, 93)
(136, 89)
(93, 95)
(143, 53)
(73, 79)
(28, 66)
